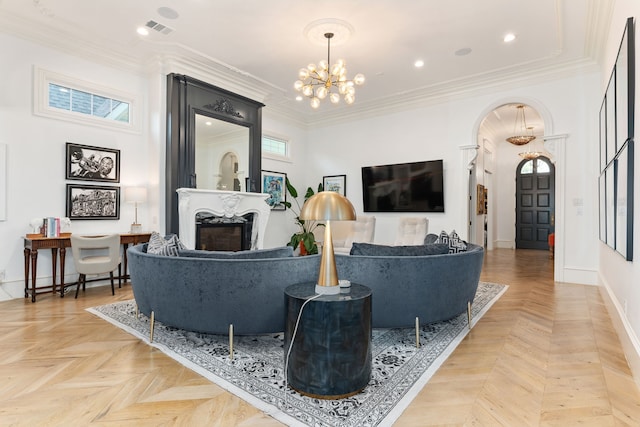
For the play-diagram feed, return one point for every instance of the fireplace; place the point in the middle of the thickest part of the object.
(225, 205)
(214, 233)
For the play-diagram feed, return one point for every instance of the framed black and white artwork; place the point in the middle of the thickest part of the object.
(93, 202)
(88, 163)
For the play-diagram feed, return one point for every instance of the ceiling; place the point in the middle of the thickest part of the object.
(263, 43)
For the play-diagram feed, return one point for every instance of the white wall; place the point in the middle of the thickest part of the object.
(620, 279)
(438, 131)
(282, 223)
(36, 185)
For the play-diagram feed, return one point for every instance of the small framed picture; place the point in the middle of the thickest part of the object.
(88, 163)
(337, 183)
(93, 202)
(274, 184)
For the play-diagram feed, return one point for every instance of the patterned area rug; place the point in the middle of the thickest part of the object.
(256, 372)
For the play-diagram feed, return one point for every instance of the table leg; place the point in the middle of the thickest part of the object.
(63, 253)
(34, 268)
(27, 253)
(54, 268)
(124, 258)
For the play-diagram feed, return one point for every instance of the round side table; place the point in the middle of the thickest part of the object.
(331, 353)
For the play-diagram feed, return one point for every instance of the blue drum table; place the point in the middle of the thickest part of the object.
(331, 353)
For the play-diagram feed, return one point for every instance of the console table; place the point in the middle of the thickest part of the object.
(330, 355)
(33, 243)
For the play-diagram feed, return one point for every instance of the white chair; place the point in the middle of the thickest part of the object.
(95, 255)
(345, 233)
(412, 231)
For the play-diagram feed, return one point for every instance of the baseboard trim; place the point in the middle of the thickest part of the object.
(628, 339)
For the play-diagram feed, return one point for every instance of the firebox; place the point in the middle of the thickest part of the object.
(215, 233)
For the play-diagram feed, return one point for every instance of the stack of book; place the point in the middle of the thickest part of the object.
(51, 227)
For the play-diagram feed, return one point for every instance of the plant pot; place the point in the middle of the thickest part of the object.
(303, 249)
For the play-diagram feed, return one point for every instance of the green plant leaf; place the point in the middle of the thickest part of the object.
(309, 193)
(291, 189)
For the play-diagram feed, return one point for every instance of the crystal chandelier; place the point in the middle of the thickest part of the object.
(525, 134)
(326, 79)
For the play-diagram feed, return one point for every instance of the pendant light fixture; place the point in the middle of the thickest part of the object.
(521, 133)
(327, 80)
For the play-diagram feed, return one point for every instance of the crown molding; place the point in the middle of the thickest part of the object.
(172, 57)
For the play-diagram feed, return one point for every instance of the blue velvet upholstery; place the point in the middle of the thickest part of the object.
(208, 294)
(407, 250)
(281, 252)
(432, 288)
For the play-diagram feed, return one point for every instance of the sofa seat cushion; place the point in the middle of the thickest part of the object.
(370, 249)
(280, 252)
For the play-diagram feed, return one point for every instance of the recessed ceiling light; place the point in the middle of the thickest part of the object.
(509, 38)
(207, 123)
(298, 98)
(142, 31)
(167, 12)
(419, 63)
(464, 51)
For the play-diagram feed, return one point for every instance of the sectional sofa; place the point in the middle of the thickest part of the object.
(206, 292)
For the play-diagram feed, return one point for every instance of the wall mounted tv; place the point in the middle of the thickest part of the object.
(404, 187)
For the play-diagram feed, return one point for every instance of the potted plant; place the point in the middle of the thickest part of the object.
(305, 237)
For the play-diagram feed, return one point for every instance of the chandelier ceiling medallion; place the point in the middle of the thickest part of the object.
(522, 134)
(318, 82)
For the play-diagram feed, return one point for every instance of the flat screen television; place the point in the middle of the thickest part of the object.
(403, 187)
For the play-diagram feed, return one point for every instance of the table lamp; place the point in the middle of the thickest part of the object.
(135, 195)
(328, 206)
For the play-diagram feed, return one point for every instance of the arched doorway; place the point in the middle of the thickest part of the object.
(228, 172)
(535, 203)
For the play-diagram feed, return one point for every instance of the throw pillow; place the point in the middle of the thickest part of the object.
(455, 243)
(430, 239)
(167, 246)
(281, 252)
(370, 249)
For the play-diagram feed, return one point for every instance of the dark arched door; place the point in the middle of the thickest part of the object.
(535, 203)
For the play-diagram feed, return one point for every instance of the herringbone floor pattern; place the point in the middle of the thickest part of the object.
(545, 355)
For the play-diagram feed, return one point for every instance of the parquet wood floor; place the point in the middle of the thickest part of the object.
(546, 354)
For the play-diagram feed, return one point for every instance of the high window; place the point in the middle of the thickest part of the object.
(275, 147)
(66, 98)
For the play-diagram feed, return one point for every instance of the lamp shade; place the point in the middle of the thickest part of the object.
(135, 194)
(328, 206)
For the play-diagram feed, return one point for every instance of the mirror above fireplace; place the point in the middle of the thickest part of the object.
(222, 155)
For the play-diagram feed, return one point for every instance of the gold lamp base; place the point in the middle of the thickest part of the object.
(328, 276)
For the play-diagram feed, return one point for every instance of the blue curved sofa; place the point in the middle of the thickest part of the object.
(208, 294)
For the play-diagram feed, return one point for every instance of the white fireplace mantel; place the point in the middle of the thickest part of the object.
(221, 203)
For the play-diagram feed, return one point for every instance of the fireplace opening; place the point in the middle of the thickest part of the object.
(214, 233)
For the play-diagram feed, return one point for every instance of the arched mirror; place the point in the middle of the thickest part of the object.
(214, 140)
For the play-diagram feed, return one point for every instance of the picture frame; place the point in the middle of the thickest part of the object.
(89, 163)
(274, 184)
(624, 200)
(479, 199)
(610, 99)
(92, 202)
(617, 127)
(337, 183)
(603, 135)
(610, 205)
(602, 203)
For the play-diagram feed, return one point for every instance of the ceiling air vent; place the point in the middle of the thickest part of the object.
(159, 27)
